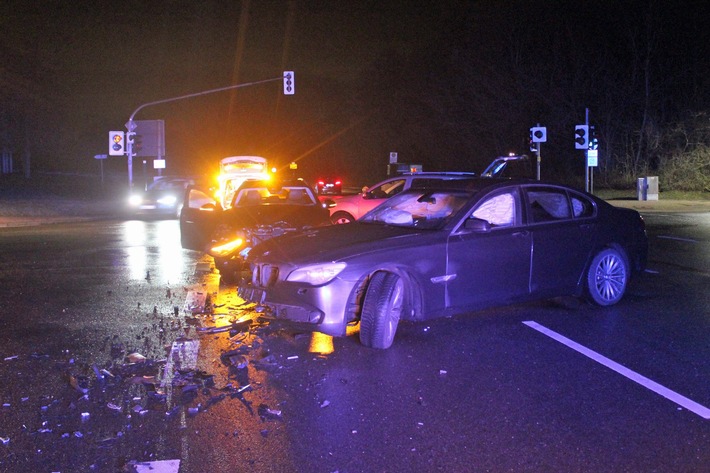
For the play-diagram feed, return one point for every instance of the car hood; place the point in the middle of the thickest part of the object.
(337, 242)
(294, 215)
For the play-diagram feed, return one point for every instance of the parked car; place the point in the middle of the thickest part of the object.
(330, 186)
(259, 211)
(162, 197)
(457, 246)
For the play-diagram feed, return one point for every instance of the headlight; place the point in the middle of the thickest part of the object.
(135, 199)
(316, 274)
(226, 248)
(167, 200)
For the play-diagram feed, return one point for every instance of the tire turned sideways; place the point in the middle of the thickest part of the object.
(607, 277)
(381, 310)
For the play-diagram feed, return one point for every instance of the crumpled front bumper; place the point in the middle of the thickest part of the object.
(320, 309)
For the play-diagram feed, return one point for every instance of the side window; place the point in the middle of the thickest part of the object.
(388, 189)
(581, 206)
(548, 205)
(499, 210)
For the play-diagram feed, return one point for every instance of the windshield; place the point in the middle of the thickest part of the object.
(281, 195)
(428, 209)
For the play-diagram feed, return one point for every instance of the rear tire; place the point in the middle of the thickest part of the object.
(341, 217)
(381, 310)
(607, 277)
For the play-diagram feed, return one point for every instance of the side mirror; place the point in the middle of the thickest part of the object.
(477, 225)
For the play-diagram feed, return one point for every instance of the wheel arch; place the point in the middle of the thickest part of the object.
(413, 296)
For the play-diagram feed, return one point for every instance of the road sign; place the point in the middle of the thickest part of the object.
(116, 143)
(581, 136)
(393, 157)
(538, 134)
(100, 156)
(592, 158)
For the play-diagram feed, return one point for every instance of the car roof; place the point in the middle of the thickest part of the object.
(269, 183)
(437, 174)
(480, 183)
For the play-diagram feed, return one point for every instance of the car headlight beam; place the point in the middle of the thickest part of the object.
(167, 200)
(316, 274)
(135, 200)
(226, 248)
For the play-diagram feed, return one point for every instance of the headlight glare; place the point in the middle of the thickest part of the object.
(167, 200)
(316, 274)
(225, 249)
(135, 200)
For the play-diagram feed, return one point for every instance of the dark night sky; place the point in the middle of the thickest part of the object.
(364, 72)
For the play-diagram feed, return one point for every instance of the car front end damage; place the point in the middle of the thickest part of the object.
(316, 297)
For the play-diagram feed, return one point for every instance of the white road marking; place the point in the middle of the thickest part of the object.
(666, 237)
(679, 399)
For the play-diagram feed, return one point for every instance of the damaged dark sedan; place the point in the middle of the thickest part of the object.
(425, 253)
(260, 210)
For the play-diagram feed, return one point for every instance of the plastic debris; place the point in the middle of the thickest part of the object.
(159, 466)
(113, 407)
(136, 358)
(325, 403)
(5, 440)
(13, 357)
(182, 357)
(80, 383)
(265, 412)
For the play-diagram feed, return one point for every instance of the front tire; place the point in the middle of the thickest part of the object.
(339, 218)
(607, 277)
(381, 310)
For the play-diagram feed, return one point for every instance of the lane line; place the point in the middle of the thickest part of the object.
(674, 238)
(679, 399)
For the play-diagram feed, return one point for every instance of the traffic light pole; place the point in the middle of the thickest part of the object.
(586, 153)
(131, 125)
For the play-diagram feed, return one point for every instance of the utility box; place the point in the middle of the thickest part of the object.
(647, 188)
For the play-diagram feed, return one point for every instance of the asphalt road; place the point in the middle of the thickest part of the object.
(549, 386)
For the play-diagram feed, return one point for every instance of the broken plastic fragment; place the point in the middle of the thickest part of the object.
(80, 383)
(267, 413)
(136, 358)
(113, 406)
(160, 466)
(5, 440)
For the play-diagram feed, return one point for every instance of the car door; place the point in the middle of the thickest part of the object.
(490, 266)
(563, 230)
(376, 195)
(199, 216)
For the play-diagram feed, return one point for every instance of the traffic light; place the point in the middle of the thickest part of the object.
(137, 144)
(593, 141)
(116, 143)
(581, 136)
(533, 143)
(289, 83)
